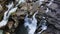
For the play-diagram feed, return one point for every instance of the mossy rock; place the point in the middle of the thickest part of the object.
(13, 14)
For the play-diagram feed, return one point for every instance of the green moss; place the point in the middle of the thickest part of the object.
(13, 13)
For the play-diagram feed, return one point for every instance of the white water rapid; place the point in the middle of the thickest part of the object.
(11, 9)
(43, 25)
(31, 23)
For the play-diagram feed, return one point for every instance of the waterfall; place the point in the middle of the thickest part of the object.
(5, 18)
(31, 23)
(43, 25)
(11, 9)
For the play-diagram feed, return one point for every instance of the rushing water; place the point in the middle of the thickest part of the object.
(31, 24)
(5, 18)
(43, 25)
(11, 9)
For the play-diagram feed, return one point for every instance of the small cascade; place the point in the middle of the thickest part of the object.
(5, 18)
(11, 9)
(31, 23)
(43, 25)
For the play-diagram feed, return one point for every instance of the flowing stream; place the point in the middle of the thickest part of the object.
(31, 23)
(43, 25)
(11, 9)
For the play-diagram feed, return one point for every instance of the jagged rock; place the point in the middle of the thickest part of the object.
(54, 6)
(54, 18)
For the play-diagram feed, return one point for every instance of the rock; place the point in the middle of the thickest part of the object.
(53, 6)
(10, 24)
(7, 33)
(54, 18)
(1, 8)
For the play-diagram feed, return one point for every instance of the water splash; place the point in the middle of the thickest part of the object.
(43, 26)
(31, 23)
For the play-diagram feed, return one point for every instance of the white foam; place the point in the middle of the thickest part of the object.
(10, 5)
(31, 26)
(44, 27)
(5, 18)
